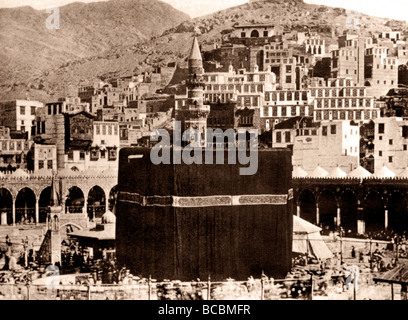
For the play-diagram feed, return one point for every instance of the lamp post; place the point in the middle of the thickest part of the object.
(371, 254)
(25, 246)
(341, 244)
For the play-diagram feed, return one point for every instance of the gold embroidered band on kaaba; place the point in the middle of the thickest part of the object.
(205, 201)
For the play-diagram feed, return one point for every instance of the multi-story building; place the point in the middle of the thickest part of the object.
(80, 141)
(44, 157)
(278, 58)
(333, 144)
(19, 115)
(246, 88)
(391, 144)
(315, 45)
(263, 32)
(392, 35)
(105, 145)
(401, 51)
(348, 60)
(381, 71)
(67, 105)
(281, 105)
(285, 132)
(339, 99)
(14, 149)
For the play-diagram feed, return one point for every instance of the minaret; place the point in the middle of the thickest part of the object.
(194, 114)
(53, 220)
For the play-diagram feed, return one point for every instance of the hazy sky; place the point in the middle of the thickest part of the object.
(396, 9)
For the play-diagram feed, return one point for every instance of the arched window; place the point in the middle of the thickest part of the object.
(254, 34)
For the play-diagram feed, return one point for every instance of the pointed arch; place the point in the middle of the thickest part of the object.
(25, 206)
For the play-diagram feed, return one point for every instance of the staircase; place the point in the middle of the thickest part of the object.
(44, 254)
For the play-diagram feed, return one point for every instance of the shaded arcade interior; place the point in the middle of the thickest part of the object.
(28, 208)
(376, 212)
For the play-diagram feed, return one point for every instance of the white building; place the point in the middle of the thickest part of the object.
(19, 115)
(45, 157)
(333, 144)
(339, 99)
(391, 144)
(254, 31)
(246, 88)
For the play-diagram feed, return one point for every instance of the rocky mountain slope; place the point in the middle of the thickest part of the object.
(30, 50)
(124, 54)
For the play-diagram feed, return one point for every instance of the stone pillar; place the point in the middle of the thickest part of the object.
(13, 211)
(106, 201)
(85, 209)
(386, 219)
(37, 211)
(338, 216)
(298, 211)
(360, 220)
(317, 215)
(4, 218)
(63, 204)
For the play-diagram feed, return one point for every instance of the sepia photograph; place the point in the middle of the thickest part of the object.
(216, 151)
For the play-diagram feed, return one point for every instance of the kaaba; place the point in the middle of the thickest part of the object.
(183, 222)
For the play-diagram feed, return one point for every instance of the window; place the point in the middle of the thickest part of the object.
(287, 136)
(405, 147)
(81, 156)
(333, 129)
(265, 33)
(40, 164)
(381, 137)
(33, 111)
(288, 79)
(22, 110)
(49, 164)
(23, 128)
(103, 154)
(70, 155)
(380, 153)
(390, 142)
(324, 131)
(278, 137)
(390, 159)
(381, 128)
(98, 129)
(288, 69)
(405, 132)
(243, 34)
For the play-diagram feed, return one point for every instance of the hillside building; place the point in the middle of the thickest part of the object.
(333, 144)
(340, 99)
(19, 115)
(391, 144)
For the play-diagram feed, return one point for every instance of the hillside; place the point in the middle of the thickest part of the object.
(124, 55)
(30, 50)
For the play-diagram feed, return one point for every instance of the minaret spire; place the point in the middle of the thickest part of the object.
(194, 114)
(195, 53)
